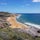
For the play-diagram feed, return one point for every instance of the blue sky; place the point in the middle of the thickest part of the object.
(20, 6)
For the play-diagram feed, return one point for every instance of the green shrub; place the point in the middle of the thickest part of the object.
(10, 34)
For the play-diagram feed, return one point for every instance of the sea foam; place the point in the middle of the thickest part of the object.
(30, 24)
(18, 16)
(33, 25)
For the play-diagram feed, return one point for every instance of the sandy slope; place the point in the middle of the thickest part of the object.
(16, 24)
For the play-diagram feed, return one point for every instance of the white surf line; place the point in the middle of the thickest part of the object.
(18, 16)
(33, 25)
(22, 24)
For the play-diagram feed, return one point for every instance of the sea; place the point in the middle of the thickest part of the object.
(30, 19)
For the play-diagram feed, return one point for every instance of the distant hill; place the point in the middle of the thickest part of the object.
(6, 14)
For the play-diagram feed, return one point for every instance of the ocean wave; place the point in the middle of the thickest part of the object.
(18, 16)
(33, 25)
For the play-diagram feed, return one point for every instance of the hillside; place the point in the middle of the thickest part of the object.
(11, 19)
(11, 29)
(15, 24)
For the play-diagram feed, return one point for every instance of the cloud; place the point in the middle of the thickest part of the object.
(27, 4)
(36, 1)
(3, 3)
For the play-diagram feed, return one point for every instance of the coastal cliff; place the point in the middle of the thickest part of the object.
(15, 24)
(11, 19)
(11, 29)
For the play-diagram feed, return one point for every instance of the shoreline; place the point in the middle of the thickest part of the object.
(33, 25)
(27, 28)
(30, 24)
(15, 24)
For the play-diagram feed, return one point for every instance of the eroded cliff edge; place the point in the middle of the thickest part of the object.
(10, 19)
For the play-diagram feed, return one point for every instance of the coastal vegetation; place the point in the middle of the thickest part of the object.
(12, 34)
(8, 33)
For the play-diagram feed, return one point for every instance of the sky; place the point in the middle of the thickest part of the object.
(20, 6)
